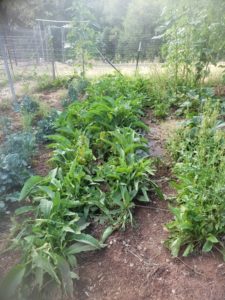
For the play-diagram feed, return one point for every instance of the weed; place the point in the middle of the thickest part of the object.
(5, 105)
(31, 111)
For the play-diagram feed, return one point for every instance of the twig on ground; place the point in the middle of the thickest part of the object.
(189, 267)
(141, 259)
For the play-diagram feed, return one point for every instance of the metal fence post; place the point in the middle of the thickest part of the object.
(138, 57)
(41, 40)
(52, 51)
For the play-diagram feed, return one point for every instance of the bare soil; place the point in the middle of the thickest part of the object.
(53, 99)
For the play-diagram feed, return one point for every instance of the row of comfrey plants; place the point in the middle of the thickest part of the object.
(101, 165)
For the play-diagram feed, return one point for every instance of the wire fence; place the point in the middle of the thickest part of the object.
(44, 50)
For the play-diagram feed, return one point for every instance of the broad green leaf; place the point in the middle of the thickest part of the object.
(212, 239)
(207, 247)
(175, 247)
(78, 248)
(68, 229)
(13, 280)
(87, 239)
(29, 185)
(157, 190)
(42, 262)
(145, 197)
(48, 191)
(65, 275)
(72, 260)
(46, 207)
(107, 232)
(24, 209)
(188, 250)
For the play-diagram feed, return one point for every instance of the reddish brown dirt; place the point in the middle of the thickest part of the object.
(136, 265)
(53, 99)
(40, 164)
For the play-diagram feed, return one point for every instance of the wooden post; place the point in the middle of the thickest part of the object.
(7, 70)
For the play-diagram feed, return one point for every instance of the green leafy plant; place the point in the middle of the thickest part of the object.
(76, 90)
(199, 217)
(28, 105)
(15, 153)
(29, 108)
(102, 166)
(46, 126)
(50, 236)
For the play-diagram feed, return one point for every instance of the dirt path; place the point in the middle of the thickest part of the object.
(137, 266)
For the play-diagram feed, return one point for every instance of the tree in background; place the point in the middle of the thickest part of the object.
(82, 35)
(22, 13)
(140, 24)
(193, 36)
(110, 16)
(120, 23)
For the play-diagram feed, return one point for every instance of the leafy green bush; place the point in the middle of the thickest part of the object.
(29, 109)
(200, 152)
(28, 105)
(76, 89)
(15, 158)
(46, 126)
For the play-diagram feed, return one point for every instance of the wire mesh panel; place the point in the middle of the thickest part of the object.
(47, 49)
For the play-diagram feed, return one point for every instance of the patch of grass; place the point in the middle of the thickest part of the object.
(32, 110)
(3, 83)
(5, 105)
(46, 83)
